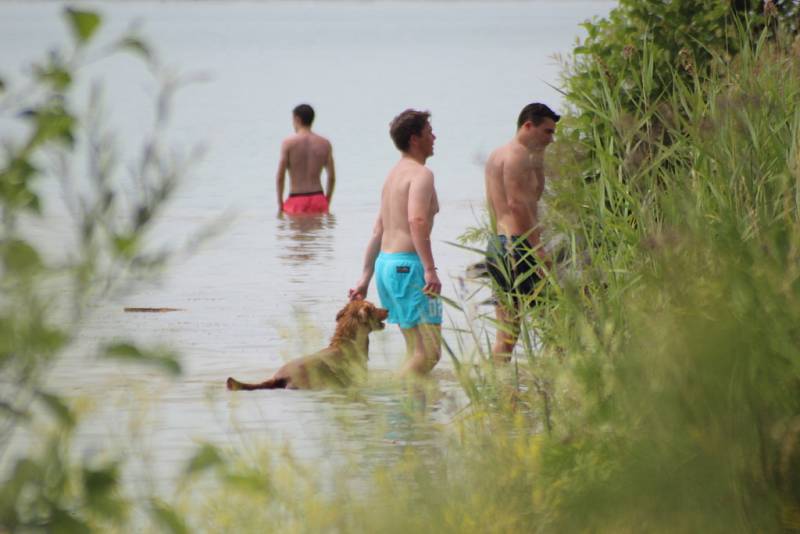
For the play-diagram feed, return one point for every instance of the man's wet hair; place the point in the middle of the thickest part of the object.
(408, 123)
(536, 113)
(305, 113)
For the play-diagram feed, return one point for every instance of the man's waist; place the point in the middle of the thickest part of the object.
(307, 193)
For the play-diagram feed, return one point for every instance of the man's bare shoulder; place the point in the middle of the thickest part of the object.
(496, 156)
(510, 151)
(320, 140)
(419, 172)
(290, 141)
(516, 158)
(499, 157)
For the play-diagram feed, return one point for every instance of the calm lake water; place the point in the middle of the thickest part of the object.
(267, 289)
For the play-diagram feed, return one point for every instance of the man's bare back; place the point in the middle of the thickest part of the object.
(304, 154)
(307, 154)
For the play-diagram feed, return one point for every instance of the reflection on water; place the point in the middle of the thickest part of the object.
(305, 238)
(376, 421)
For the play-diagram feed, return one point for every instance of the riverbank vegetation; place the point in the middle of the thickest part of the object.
(658, 384)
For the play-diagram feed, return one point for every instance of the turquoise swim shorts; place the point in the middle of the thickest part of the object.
(400, 279)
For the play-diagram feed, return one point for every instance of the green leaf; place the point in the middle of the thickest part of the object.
(19, 257)
(101, 491)
(136, 45)
(65, 522)
(26, 470)
(46, 339)
(167, 517)
(83, 23)
(124, 350)
(126, 245)
(207, 456)
(248, 483)
(52, 123)
(14, 190)
(57, 76)
(98, 482)
(56, 405)
(160, 358)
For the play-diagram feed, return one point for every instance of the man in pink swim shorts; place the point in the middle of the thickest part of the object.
(304, 154)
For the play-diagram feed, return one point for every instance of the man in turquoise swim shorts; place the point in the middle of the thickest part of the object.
(399, 252)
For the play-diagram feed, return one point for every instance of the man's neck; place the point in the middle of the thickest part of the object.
(416, 155)
(532, 149)
(303, 130)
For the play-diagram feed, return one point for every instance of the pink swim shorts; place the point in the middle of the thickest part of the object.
(306, 203)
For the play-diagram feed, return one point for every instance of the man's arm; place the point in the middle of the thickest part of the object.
(280, 177)
(373, 248)
(330, 171)
(420, 223)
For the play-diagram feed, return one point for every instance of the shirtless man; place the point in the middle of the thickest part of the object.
(305, 154)
(514, 185)
(399, 251)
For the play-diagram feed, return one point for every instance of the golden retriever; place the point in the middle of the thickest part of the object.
(341, 364)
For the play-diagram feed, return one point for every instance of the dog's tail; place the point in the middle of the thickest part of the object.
(272, 383)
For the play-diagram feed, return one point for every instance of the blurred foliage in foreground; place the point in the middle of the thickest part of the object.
(48, 285)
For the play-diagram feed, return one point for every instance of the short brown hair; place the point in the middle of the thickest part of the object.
(536, 113)
(305, 113)
(408, 123)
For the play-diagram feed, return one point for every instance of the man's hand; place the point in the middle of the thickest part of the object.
(359, 292)
(432, 283)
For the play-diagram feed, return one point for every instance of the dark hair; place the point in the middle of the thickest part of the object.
(408, 123)
(536, 113)
(305, 113)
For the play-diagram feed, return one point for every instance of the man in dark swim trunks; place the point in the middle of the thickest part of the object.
(514, 185)
(305, 154)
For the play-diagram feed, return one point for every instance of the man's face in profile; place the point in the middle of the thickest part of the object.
(542, 135)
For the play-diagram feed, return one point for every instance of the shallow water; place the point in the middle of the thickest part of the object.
(269, 288)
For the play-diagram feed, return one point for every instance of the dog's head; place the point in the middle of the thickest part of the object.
(363, 313)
